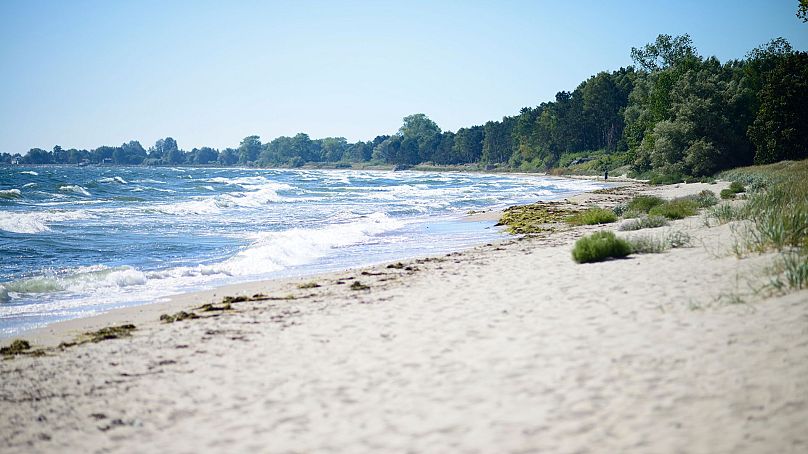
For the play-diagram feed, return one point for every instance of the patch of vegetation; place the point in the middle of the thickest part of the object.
(524, 219)
(592, 216)
(726, 212)
(395, 266)
(214, 308)
(678, 208)
(356, 285)
(110, 332)
(644, 222)
(654, 244)
(727, 194)
(777, 211)
(600, 246)
(643, 203)
(666, 178)
(308, 285)
(737, 187)
(705, 198)
(17, 347)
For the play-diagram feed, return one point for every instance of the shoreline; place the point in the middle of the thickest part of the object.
(504, 347)
(48, 334)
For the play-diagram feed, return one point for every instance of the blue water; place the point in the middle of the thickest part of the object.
(78, 241)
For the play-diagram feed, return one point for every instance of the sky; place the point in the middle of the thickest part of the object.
(81, 74)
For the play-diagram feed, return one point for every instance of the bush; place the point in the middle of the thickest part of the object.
(736, 187)
(644, 203)
(727, 194)
(668, 178)
(592, 216)
(600, 246)
(679, 208)
(649, 244)
(645, 222)
(705, 199)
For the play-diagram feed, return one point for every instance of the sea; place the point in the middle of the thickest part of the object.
(78, 241)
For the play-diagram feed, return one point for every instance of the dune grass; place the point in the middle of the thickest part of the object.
(777, 215)
(600, 246)
(592, 216)
(678, 208)
(644, 222)
(655, 244)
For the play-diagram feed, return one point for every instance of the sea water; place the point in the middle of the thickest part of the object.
(77, 241)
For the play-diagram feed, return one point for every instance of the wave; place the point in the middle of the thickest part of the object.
(29, 185)
(29, 172)
(273, 251)
(115, 179)
(74, 188)
(82, 280)
(36, 222)
(10, 194)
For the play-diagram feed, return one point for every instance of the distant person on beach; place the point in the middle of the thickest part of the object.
(606, 174)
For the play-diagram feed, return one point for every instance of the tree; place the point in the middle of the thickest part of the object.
(666, 51)
(802, 10)
(779, 130)
(37, 156)
(249, 149)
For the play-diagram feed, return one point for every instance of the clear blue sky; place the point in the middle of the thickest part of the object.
(88, 73)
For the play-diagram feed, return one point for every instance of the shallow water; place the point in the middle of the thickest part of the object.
(78, 241)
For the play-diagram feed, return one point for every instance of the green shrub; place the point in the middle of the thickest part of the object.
(705, 199)
(592, 216)
(678, 208)
(645, 222)
(644, 203)
(727, 194)
(668, 178)
(736, 187)
(600, 246)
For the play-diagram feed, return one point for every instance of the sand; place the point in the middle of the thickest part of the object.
(504, 348)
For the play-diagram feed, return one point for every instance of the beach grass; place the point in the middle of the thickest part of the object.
(678, 208)
(592, 216)
(644, 222)
(777, 213)
(600, 246)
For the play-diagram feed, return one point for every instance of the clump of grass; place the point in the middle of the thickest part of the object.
(792, 270)
(525, 219)
(644, 222)
(705, 199)
(600, 246)
(17, 347)
(726, 212)
(356, 285)
(727, 194)
(592, 216)
(737, 187)
(678, 208)
(643, 203)
(653, 244)
(308, 285)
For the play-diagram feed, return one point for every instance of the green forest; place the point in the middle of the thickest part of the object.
(674, 113)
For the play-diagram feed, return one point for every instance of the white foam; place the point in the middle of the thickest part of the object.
(28, 172)
(115, 179)
(36, 222)
(75, 189)
(29, 185)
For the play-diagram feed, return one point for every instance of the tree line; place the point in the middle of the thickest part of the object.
(672, 112)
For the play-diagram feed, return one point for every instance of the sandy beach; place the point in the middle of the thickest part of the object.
(506, 347)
